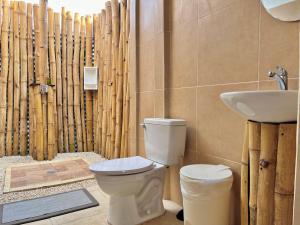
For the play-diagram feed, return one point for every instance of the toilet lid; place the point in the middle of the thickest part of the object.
(123, 166)
(206, 172)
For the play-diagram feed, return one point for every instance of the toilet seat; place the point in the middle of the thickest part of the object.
(123, 166)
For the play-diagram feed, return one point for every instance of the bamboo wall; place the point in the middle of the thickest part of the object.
(43, 107)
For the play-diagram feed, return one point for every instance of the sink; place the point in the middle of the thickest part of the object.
(263, 106)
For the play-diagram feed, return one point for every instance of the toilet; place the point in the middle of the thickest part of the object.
(135, 184)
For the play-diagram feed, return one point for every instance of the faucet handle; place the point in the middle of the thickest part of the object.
(271, 74)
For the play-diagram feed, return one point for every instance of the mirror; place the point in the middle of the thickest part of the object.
(285, 10)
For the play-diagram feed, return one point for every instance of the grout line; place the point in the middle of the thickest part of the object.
(213, 85)
(259, 39)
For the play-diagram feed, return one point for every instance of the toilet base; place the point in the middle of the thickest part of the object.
(136, 209)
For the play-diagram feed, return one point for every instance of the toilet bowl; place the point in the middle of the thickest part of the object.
(135, 196)
(135, 184)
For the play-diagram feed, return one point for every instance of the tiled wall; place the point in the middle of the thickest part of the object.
(190, 51)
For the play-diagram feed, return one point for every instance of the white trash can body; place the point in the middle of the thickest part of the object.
(206, 194)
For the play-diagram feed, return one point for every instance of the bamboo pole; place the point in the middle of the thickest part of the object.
(82, 93)
(64, 77)
(245, 179)
(89, 94)
(51, 127)
(24, 78)
(39, 139)
(52, 115)
(10, 86)
(52, 81)
(70, 82)
(60, 122)
(115, 46)
(266, 179)
(77, 82)
(37, 38)
(44, 71)
(16, 80)
(254, 154)
(107, 74)
(126, 99)
(44, 42)
(4, 74)
(101, 74)
(1, 15)
(31, 81)
(95, 94)
(285, 174)
(38, 111)
(119, 100)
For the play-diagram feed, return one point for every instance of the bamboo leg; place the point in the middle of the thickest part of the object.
(245, 179)
(285, 174)
(254, 154)
(266, 180)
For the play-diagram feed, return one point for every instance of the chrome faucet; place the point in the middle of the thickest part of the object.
(281, 75)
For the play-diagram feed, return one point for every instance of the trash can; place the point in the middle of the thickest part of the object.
(206, 194)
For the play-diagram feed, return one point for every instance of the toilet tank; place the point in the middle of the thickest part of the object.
(164, 140)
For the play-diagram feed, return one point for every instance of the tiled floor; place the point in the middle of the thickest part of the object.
(97, 215)
(40, 174)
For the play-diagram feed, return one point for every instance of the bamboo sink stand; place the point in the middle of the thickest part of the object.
(267, 173)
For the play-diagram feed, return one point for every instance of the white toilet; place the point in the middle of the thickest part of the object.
(136, 184)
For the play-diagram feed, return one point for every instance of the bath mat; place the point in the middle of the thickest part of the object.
(45, 174)
(45, 207)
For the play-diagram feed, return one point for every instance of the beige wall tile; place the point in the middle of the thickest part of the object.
(183, 11)
(183, 56)
(159, 103)
(206, 7)
(219, 130)
(279, 45)
(190, 157)
(159, 61)
(272, 85)
(146, 21)
(141, 148)
(181, 103)
(146, 79)
(228, 44)
(146, 109)
(158, 16)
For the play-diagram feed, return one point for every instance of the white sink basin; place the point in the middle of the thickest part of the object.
(263, 106)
